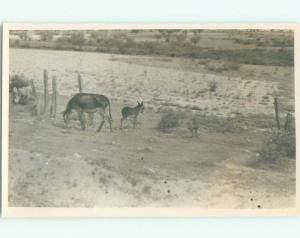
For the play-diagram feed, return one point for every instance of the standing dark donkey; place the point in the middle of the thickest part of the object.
(89, 103)
(132, 112)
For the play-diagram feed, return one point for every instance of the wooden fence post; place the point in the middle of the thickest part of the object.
(276, 112)
(79, 83)
(46, 91)
(33, 89)
(288, 121)
(54, 98)
(36, 110)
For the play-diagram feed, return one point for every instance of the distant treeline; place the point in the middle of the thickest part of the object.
(162, 43)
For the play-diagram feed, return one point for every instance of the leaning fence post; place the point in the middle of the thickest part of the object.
(46, 91)
(79, 83)
(276, 112)
(54, 98)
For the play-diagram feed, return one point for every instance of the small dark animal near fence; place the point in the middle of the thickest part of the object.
(132, 112)
(193, 126)
(288, 125)
(89, 103)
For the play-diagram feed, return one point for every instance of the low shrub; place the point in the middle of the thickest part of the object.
(231, 66)
(278, 145)
(216, 124)
(221, 67)
(225, 125)
(170, 121)
(212, 86)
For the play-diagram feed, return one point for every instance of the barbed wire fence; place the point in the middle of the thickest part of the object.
(283, 105)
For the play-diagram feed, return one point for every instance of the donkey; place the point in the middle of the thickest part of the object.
(89, 103)
(132, 112)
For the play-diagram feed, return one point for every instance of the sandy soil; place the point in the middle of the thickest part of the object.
(167, 85)
(54, 166)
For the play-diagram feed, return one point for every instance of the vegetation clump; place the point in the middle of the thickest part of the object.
(280, 144)
(170, 121)
(212, 86)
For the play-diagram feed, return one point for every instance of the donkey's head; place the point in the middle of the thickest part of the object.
(141, 106)
(66, 113)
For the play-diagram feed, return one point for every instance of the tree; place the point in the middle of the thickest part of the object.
(78, 39)
(195, 39)
(181, 37)
(23, 35)
(158, 36)
(46, 35)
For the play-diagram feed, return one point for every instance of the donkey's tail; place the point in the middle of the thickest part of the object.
(109, 111)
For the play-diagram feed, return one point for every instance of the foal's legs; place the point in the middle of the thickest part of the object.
(134, 122)
(65, 116)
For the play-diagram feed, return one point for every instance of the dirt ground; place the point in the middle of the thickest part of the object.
(54, 166)
(175, 82)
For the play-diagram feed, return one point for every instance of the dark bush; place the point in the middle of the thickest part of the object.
(217, 124)
(212, 86)
(170, 121)
(278, 145)
(231, 66)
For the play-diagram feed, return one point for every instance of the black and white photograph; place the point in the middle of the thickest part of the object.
(155, 117)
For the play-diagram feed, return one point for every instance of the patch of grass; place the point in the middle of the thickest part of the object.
(261, 121)
(278, 145)
(212, 86)
(220, 67)
(217, 124)
(231, 66)
(255, 56)
(170, 121)
(225, 125)
(243, 41)
(214, 67)
(267, 42)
